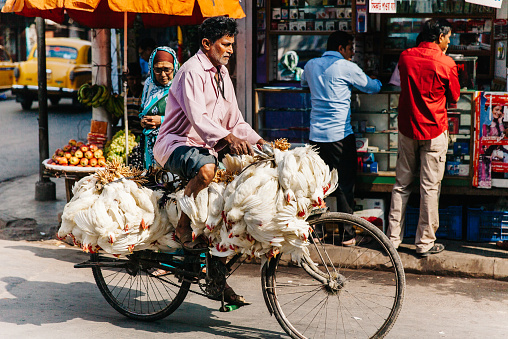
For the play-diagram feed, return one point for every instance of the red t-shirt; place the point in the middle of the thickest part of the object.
(428, 80)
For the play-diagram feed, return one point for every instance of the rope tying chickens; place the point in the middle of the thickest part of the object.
(257, 208)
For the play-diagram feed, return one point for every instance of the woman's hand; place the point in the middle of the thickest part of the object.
(151, 121)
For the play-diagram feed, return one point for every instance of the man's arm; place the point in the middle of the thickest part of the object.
(453, 91)
(362, 82)
(303, 81)
(241, 136)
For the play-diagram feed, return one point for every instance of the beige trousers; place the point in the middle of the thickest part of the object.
(432, 158)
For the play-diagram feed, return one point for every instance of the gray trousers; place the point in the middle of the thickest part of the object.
(432, 156)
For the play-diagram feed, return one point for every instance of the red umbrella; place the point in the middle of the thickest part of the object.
(110, 13)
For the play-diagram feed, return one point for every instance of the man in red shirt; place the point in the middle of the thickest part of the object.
(428, 82)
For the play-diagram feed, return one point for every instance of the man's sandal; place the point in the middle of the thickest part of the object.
(198, 245)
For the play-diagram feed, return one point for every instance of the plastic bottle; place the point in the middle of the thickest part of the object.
(229, 308)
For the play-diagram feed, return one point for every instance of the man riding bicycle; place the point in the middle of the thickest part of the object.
(202, 118)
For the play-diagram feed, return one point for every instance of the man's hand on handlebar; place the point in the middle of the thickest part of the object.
(240, 146)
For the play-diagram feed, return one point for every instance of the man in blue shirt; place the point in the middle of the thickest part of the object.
(331, 79)
(145, 49)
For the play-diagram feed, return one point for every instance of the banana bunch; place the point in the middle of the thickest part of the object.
(115, 105)
(94, 95)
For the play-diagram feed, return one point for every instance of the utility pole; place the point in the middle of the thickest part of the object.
(45, 189)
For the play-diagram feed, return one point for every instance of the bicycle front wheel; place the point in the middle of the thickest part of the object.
(338, 291)
(137, 290)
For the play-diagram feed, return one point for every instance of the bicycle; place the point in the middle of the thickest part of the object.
(333, 292)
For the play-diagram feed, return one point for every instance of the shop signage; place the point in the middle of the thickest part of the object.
(382, 6)
(490, 160)
(489, 3)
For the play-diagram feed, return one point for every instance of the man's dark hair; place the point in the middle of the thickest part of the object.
(338, 38)
(433, 28)
(216, 27)
(420, 38)
(134, 69)
(147, 43)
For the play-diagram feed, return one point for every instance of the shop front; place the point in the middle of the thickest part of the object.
(291, 32)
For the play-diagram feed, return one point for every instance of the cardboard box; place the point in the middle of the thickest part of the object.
(99, 127)
(284, 13)
(362, 144)
(343, 26)
(276, 13)
(373, 210)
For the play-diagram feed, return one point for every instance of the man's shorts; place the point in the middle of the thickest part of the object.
(186, 161)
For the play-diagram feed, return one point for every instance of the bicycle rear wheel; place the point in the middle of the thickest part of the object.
(338, 292)
(136, 289)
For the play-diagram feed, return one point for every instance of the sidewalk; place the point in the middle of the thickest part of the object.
(36, 220)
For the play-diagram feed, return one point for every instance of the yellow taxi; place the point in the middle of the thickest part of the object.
(6, 70)
(68, 66)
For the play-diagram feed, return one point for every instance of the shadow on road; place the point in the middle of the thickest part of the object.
(68, 254)
(41, 302)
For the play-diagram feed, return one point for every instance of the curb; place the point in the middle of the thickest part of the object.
(458, 263)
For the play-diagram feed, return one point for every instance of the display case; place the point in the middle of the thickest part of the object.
(471, 35)
(291, 32)
(282, 112)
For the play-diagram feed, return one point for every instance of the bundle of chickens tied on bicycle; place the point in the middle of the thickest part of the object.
(257, 206)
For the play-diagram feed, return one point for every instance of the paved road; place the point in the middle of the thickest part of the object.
(43, 296)
(19, 139)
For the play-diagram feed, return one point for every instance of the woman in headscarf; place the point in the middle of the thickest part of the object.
(163, 65)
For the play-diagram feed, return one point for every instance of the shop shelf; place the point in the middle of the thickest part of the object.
(450, 222)
(486, 225)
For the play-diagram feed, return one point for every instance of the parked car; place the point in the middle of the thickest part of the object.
(68, 66)
(6, 70)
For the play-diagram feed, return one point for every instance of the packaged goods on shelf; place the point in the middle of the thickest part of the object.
(372, 210)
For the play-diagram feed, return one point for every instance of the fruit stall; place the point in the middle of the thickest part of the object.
(78, 159)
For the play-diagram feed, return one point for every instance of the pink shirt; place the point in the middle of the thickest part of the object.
(197, 114)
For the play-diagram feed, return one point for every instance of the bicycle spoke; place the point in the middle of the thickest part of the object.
(363, 284)
(135, 292)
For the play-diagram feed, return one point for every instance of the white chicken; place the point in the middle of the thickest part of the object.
(260, 213)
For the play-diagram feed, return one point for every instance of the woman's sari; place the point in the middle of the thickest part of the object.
(153, 102)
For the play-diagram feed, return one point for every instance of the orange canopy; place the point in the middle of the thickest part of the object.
(109, 13)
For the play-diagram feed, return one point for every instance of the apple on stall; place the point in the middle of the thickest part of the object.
(74, 161)
(72, 142)
(84, 148)
(79, 144)
(63, 161)
(98, 153)
(68, 155)
(93, 147)
(101, 162)
(67, 148)
(83, 162)
(88, 155)
(59, 152)
(78, 154)
(92, 162)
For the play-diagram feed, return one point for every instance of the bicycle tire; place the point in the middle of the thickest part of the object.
(367, 298)
(140, 295)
